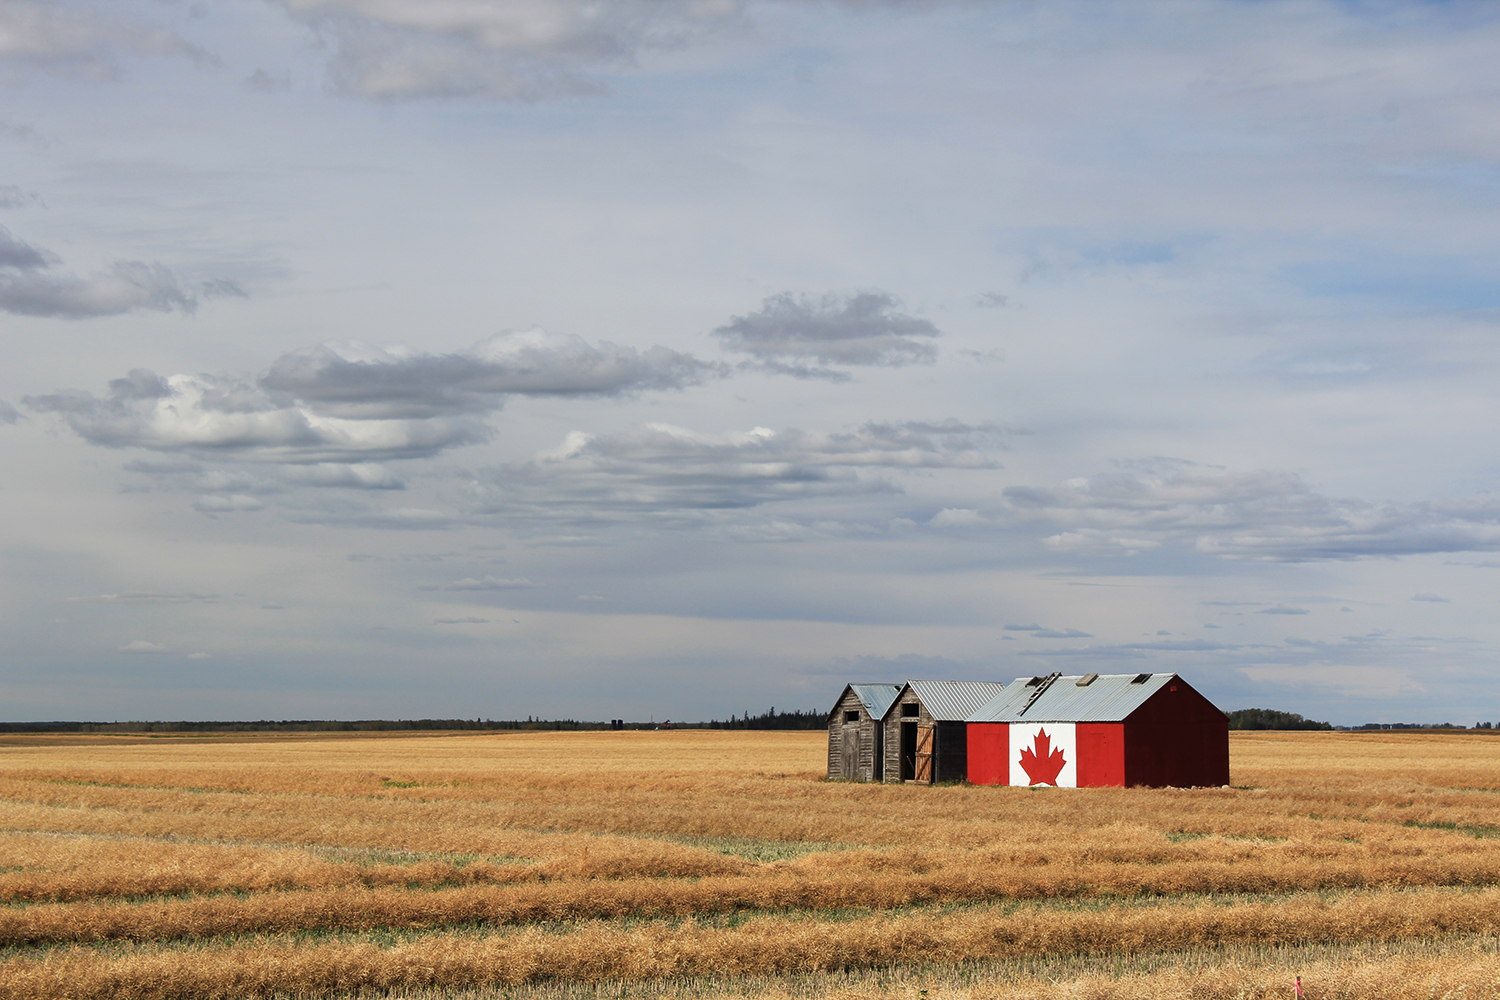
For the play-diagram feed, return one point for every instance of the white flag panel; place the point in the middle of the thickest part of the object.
(1044, 753)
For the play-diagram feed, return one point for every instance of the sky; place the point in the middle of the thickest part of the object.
(669, 359)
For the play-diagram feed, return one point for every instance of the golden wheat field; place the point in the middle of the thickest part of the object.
(716, 864)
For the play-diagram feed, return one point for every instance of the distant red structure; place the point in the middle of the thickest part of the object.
(1099, 730)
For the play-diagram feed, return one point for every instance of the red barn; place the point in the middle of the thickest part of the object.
(1099, 730)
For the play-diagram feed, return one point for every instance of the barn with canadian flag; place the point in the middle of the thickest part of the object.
(1099, 730)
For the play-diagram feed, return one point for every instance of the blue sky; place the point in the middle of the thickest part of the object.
(374, 359)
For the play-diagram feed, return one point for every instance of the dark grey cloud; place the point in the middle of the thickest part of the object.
(1268, 516)
(12, 196)
(1431, 598)
(1040, 632)
(358, 515)
(8, 414)
(28, 286)
(21, 256)
(1283, 609)
(358, 381)
(491, 48)
(144, 597)
(861, 329)
(669, 472)
(460, 621)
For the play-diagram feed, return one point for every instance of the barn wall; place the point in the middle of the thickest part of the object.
(951, 752)
(989, 753)
(1101, 754)
(1177, 738)
(893, 720)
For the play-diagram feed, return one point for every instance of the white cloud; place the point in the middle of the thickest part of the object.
(142, 646)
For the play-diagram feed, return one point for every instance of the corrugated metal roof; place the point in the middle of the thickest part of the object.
(1107, 698)
(876, 697)
(954, 701)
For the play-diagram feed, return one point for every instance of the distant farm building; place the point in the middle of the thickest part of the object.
(1099, 730)
(926, 736)
(1083, 731)
(856, 747)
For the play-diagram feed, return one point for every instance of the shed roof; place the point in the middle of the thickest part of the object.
(875, 697)
(954, 701)
(1105, 698)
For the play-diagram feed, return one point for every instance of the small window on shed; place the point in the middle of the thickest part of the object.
(1086, 680)
(912, 710)
(851, 716)
(1141, 678)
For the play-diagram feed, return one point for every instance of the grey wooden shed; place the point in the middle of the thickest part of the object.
(856, 750)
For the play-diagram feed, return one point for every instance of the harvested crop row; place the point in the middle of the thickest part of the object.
(604, 886)
(767, 945)
(349, 908)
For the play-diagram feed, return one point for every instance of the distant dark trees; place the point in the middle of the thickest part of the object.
(775, 720)
(1269, 718)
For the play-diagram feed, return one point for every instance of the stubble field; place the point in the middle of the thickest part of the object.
(717, 864)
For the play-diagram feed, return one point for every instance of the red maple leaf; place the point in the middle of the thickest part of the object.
(1043, 766)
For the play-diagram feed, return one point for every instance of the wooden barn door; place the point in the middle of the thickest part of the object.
(850, 747)
(924, 755)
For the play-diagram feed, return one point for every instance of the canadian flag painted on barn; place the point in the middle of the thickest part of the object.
(1098, 730)
(1043, 753)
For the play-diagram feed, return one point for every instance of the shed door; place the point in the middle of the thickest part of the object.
(924, 754)
(850, 743)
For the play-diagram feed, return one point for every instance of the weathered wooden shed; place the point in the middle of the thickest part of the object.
(1098, 730)
(925, 729)
(856, 749)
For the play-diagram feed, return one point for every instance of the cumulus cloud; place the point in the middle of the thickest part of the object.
(340, 405)
(30, 287)
(1432, 598)
(80, 42)
(861, 329)
(666, 470)
(498, 48)
(1283, 609)
(1270, 516)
